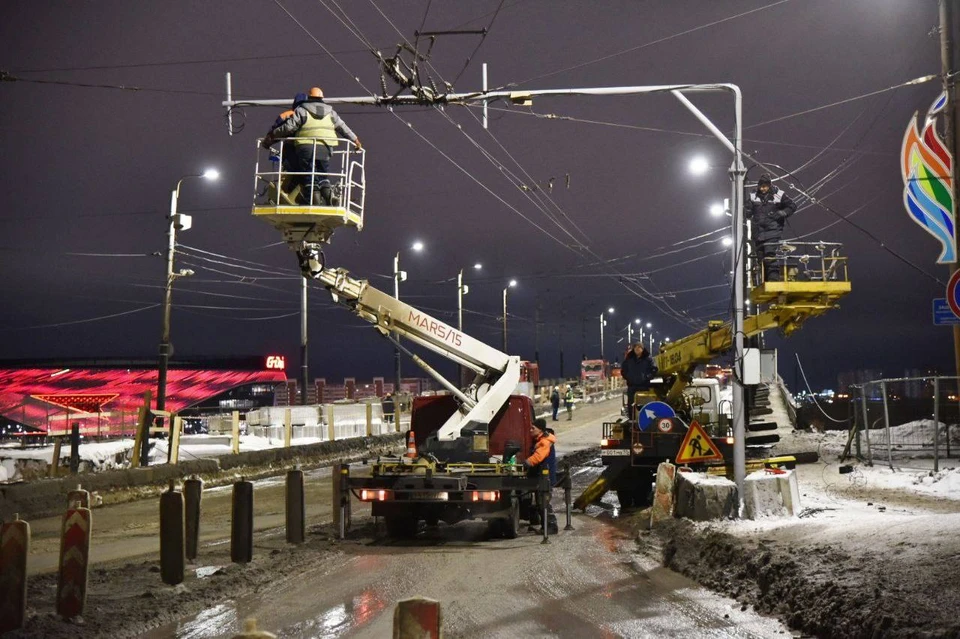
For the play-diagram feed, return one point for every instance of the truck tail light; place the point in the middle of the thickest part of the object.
(609, 442)
(730, 440)
(485, 495)
(375, 495)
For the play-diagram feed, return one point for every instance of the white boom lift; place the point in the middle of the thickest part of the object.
(497, 374)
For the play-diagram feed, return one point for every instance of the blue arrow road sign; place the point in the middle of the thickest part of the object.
(653, 411)
(943, 314)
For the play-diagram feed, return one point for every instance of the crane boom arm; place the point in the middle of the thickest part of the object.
(497, 373)
(789, 305)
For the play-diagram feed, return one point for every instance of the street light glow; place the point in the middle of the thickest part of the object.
(727, 241)
(716, 210)
(636, 321)
(211, 174)
(512, 283)
(417, 246)
(610, 310)
(478, 266)
(699, 165)
(649, 325)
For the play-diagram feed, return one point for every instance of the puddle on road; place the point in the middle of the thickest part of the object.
(224, 620)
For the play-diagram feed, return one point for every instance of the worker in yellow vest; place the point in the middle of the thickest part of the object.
(314, 126)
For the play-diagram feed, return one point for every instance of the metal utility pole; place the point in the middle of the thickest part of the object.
(462, 289)
(601, 336)
(397, 274)
(304, 373)
(536, 332)
(504, 317)
(949, 33)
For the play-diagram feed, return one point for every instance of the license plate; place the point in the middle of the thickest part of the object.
(429, 495)
(614, 452)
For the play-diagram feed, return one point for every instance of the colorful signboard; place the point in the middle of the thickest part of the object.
(928, 189)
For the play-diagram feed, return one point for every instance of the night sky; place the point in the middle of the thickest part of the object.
(87, 171)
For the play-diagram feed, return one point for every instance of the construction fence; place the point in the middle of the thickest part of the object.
(897, 420)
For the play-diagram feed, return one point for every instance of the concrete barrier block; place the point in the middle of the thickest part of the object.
(417, 618)
(761, 495)
(663, 493)
(702, 497)
(789, 492)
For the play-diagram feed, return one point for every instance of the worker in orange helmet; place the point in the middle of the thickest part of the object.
(315, 127)
(544, 456)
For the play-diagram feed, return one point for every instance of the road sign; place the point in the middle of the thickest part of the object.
(953, 292)
(942, 313)
(665, 424)
(653, 412)
(697, 446)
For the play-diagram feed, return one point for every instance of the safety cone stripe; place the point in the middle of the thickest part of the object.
(79, 517)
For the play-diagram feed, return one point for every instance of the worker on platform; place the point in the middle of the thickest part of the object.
(637, 370)
(568, 402)
(315, 125)
(555, 402)
(767, 209)
(544, 456)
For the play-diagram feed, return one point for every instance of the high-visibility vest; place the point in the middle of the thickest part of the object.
(320, 129)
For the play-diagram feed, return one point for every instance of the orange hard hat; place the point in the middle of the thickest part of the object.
(316, 92)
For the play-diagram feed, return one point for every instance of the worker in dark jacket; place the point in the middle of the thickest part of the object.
(544, 455)
(637, 371)
(316, 126)
(555, 402)
(767, 210)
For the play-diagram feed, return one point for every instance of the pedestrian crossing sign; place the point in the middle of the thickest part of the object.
(697, 446)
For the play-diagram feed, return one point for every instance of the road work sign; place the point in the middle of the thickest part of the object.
(697, 446)
(652, 412)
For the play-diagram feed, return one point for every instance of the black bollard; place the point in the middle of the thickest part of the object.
(75, 448)
(545, 503)
(241, 525)
(172, 556)
(296, 508)
(567, 495)
(192, 494)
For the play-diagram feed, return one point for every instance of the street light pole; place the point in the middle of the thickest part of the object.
(397, 273)
(181, 222)
(304, 370)
(511, 284)
(462, 289)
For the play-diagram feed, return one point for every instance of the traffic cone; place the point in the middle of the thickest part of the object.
(411, 445)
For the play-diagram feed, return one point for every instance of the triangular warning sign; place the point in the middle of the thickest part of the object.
(697, 446)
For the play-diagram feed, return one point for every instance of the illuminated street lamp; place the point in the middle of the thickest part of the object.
(178, 222)
(699, 165)
(462, 289)
(603, 323)
(511, 284)
(399, 276)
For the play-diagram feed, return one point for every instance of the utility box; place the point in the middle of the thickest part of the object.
(751, 366)
(768, 366)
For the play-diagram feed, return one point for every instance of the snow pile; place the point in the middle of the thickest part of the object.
(945, 483)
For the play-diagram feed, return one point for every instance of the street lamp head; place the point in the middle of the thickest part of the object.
(185, 272)
(649, 325)
(699, 165)
(512, 283)
(610, 310)
(211, 174)
(727, 241)
(417, 246)
(478, 266)
(636, 321)
(716, 210)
